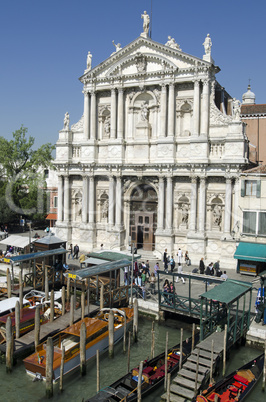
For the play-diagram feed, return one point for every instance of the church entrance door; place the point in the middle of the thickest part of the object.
(142, 231)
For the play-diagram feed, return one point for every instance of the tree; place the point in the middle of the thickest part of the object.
(21, 176)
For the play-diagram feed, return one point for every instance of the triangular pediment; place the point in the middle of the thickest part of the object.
(144, 55)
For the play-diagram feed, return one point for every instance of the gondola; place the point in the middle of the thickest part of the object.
(237, 385)
(153, 374)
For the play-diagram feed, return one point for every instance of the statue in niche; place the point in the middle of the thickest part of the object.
(184, 208)
(207, 44)
(107, 126)
(144, 111)
(146, 22)
(78, 208)
(89, 57)
(105, 209)
(217, 215)
(66, 121)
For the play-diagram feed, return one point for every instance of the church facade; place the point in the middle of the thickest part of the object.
(155, 157)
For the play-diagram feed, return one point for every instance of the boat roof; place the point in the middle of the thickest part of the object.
(10, 303)
(26, 314)
(92, 325)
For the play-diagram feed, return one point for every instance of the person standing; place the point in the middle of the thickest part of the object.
(70, 251)
(148, 268)
(179, 256)
(180, 270)
(76, 252)
(202, 266)
(172, 263)
(156, 269)
(216, 267)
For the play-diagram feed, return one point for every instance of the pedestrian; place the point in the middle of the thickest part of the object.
(179, 256)
(166, 265)
(216, 267)
(219, 273)
(82, 260)
(70, 251)
(172, 263)
(180, 270)
(76, 252)
(187, 259)
(165, 255)
(148, 268)
(172, 289)
(156, 269)
(208, 270)
(152, 282)
(143, 277)
(211, 269)
(166, 286)
(224, 276)
(202, 266)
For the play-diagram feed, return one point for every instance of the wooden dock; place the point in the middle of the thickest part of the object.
(25, 344)
(183, 387)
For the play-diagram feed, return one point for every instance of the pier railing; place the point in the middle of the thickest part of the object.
(183, 304)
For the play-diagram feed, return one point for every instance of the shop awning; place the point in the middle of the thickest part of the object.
(251, 252)
(97, 269)
(228, 291)
(95, 261)
(17, 241)
(51, 217)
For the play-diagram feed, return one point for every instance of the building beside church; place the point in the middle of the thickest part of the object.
(155, 157)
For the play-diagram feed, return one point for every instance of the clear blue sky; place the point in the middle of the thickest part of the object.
(44, 45)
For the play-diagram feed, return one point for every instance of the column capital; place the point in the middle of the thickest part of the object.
(193, 178)
(86, 92)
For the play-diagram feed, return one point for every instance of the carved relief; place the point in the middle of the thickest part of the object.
(217, 118)
(141, 63)
(79, 125)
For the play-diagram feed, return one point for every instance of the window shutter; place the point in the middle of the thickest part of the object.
(258, 188)
(242, 188)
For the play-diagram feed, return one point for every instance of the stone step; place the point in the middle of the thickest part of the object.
(190, 374)
(185, 382)
(202, 362)
(181, 391)
(173, 398)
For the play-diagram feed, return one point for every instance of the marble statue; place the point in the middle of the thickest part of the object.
(207, 44)
(146, 22)
(217, 215)
(117, 47)
(107, 126)
(89, 57)
(66, 121)
(105, 209)
(144, 111)
(236, 109)
(172, 43)
(184, 208)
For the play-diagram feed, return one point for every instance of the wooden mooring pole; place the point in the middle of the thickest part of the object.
(82, 304)
(152, 340)
(37, 327)
(83, 332)
(264, 368)
(68, 290)
(88, 296)
(197, 374)
(128, 352)
(17, 319)
(62, 369)
(71, 322)
(135, 321)
(9, 345)
(125, 334)
(165, 361)
(98, 369)
(101, 298)
(193, 336)
(224, 353)
(168, 386)
(63, 300)
(52, 306)
(181, 349)
(8, 282)
(49, 367)
(140, 380)
(111, 333)
(20, 289)
(211, 368)
(46, 284)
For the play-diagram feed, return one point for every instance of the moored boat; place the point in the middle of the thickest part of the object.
(237, 385)
(153, 376)
(96, 339)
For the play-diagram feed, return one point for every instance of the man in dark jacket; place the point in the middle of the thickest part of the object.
(202, 266)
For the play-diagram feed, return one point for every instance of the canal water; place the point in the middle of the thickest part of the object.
(19, 387)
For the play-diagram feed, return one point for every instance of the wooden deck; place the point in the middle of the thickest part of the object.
(183, 385)
(25, 344)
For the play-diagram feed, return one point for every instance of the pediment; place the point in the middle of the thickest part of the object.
(144, 56)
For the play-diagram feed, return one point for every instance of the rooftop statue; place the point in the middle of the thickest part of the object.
(89, 57)
(207, 44)
(66, 121)
(172, 43)
(117, 47)
(146, 22)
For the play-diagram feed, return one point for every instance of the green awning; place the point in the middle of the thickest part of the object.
(228, 291)
(112, 256)
(39, 254)
(97, 269)
(251, 252)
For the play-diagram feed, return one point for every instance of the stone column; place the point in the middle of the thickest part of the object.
(60, 199)
(118, 204)
(66, 198)
(205, 107)
(196, 107)
(171, 110)
(228, 205)
(113, 113)
(85, 200)
(120, 114)
(111, 201)
(236, 202)
(193, 204)
(93, 116)
(86, 115)
(202, 204)
(130, 116)
(161, 204)
(169, 203)
(163, 112)
(91, 199)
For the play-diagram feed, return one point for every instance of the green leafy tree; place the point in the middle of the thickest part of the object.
(22, 177)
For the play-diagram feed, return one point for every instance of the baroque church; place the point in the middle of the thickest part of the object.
(155, 157)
